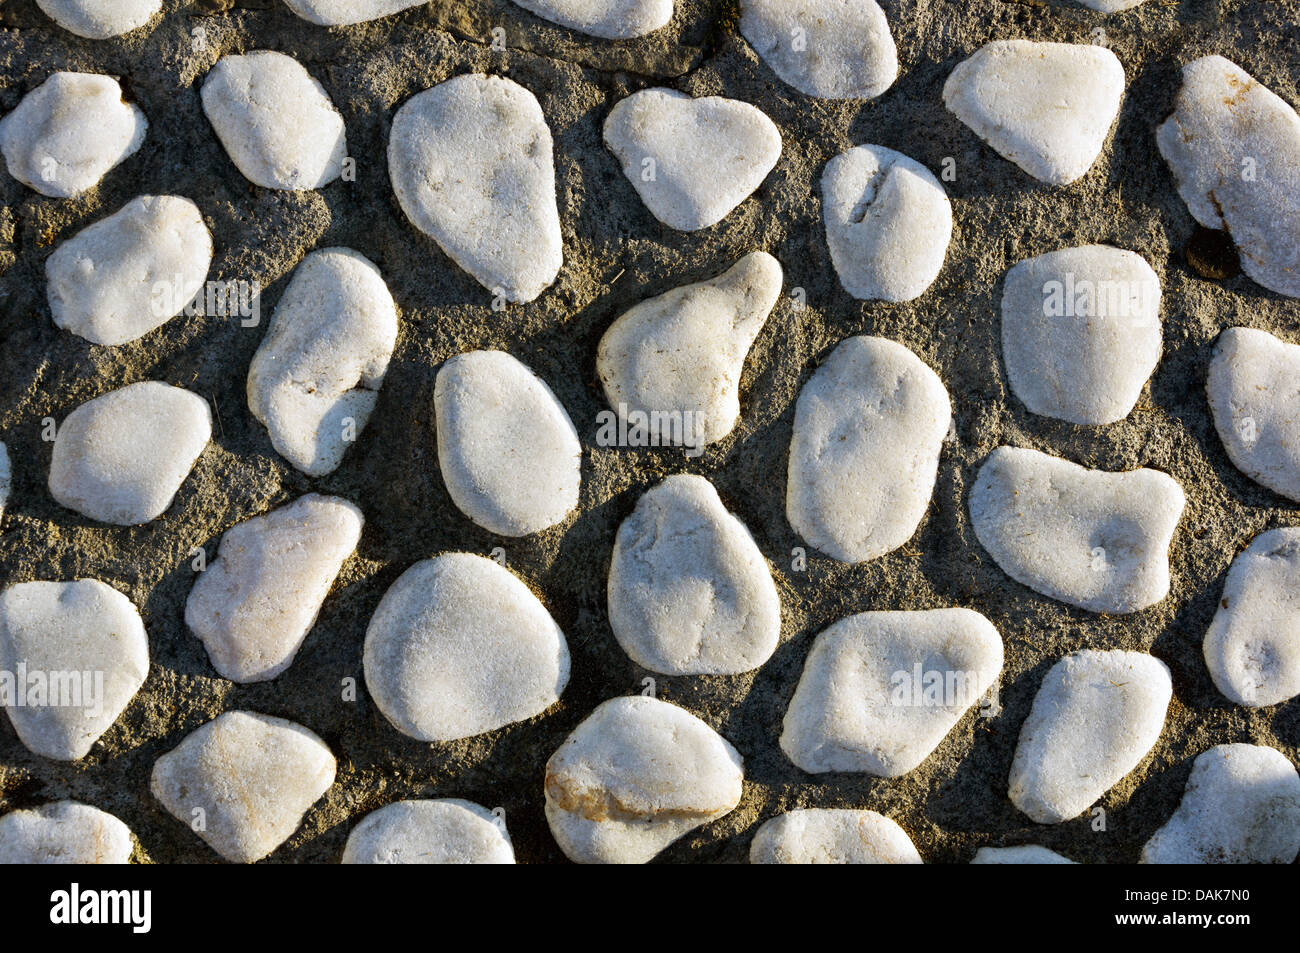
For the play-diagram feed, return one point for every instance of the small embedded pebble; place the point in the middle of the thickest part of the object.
(1090, 538)
(1047, 107)
(692, 161)
(1234, 146)
(1252, 648)
(1095, 717)
(348, 12)
(459, 646)
(64, 832)
(127, 274)
(888, 223)
(608, 19)
(249, 778)
(472, 165)
(1081, 332)
(868, 429)
(634, 776)
(881, 690)
(832, 836)
(1252, 393)
(77, 654)
(315, 378)
(121, 457)
(825, 48)
(100, 19)
(65, 135)
(1241, 806)
(677, 358)
(255, 603)
(275, 121)
(1024, 854)
(689, 591)
(508, 452)
(448, 831)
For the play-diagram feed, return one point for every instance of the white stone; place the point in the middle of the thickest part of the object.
(1025, 854)
(609, 19)
(1234, 148)
(1252, 648)
(87, 642)
(1256, 409)
(472, 165)
(1241, 806)
(348, 12)
(121, 457)
(682, 353)
(252, 776)
(826, 836)
(689, 591)
(508, 452)
(64, 832)
(1081, 332)
(449, 831)
(634, 776)
(118, 279)
(1091, 538)
(888, 223)
(316, 377)
(1048, 107)
(832, 49)
(868, 428)
(275, 121)
(6, 478)
(459, 646)
(100, 19)
(881, 690)
(255, 603)
(691, 160)
(1095, 717)
(69, 132)
(1110, 6)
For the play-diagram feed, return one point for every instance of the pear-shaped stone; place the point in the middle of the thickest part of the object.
(64, 832)
(471, 162)
(608, 19)
(832, 836)
(675, 361)
(348, 12)
(448, 831)
(100, 19)
(691, 160)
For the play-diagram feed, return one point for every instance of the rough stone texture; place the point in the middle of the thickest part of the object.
(616, 256)
(448, 831)
(100, 19)
(64, 833)
(832, 837)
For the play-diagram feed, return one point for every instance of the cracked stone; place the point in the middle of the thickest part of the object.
(825, 836)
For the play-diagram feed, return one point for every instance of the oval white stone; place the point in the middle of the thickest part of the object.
(1090, 538)
(1047, 107)
(636, 775)
(1251, 387)
(881, 690)
(508, 452)
(471, 162)
(100, 19)
(118, 279)
(254, 605)
(253, 776)
(459, 646)
(316, 376)
(1252, 648)
(121, 457)
(609, 19)
(64, 832)
(1241, 806)
(449, 831)
(827, 48)
(88, 637)
(348, 12)
(275, 121)
(67, 133)
(689, 591)
(888, 223)
(1095, 717)
(868, 428)
(1081, 332)
(691, 160)
(1025, 854)
(832, 836)
(681, 354)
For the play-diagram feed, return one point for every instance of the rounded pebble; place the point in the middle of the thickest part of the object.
(608, 19)
(448, 831)
(826, 836)
(1025, 854)
(64, 832)
(348, 12)
(100, 19)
